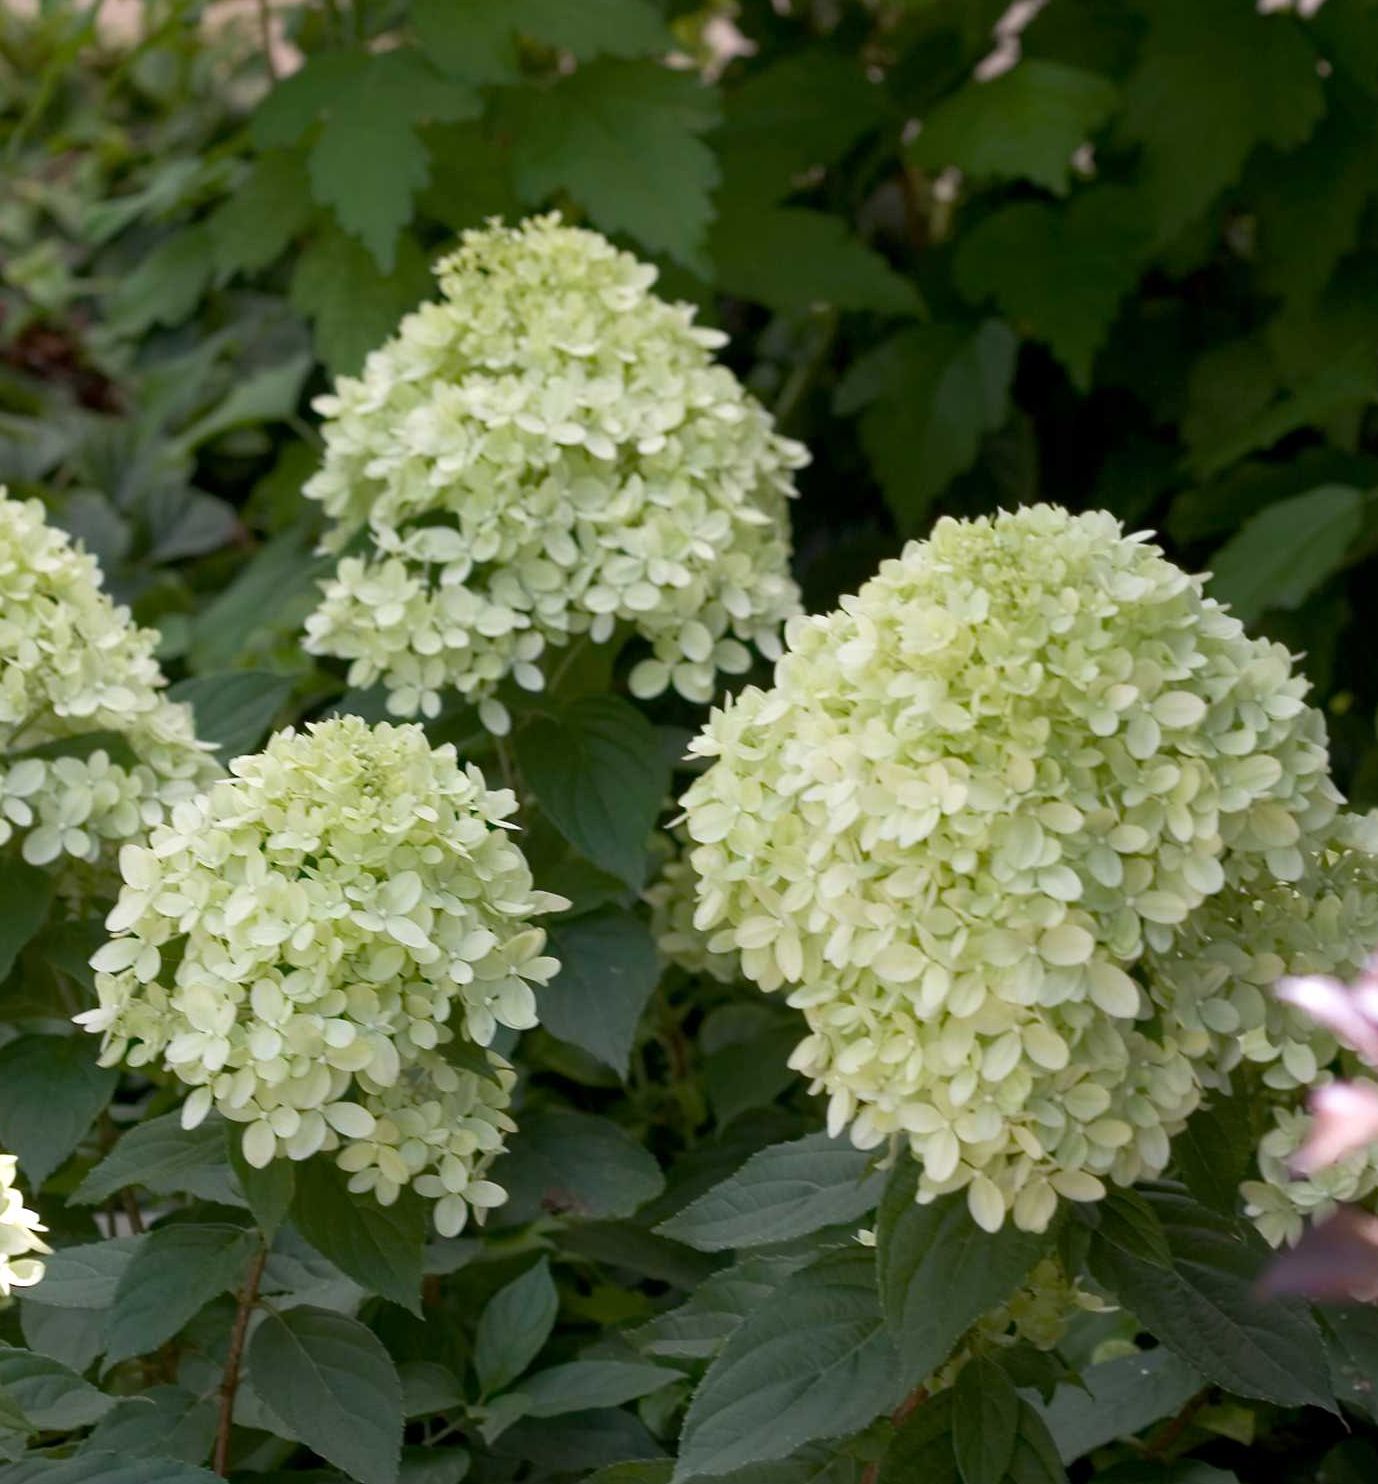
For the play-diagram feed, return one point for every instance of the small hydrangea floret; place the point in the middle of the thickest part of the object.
(20, 1235)
(92, 752)
(549, 451)
(323, 946)
(1019, 758)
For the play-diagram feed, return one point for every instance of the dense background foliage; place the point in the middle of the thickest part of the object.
(1111, 253)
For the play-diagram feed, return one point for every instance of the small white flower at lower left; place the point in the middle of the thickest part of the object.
(20, 1236)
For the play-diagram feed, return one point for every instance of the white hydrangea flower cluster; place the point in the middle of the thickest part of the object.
(549, 451)
(19, 1235)
(72, 665)
(1281, 1201)
(671, 898)
(1215, 980)
(323, 946)
(1020, 757)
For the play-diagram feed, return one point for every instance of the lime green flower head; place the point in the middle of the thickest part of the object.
(1020, 756)
(20, 1235)
(549, 451)
(323, 946)
(75, 671)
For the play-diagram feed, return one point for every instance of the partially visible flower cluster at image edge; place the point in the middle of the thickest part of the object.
(971, 821)
(73, 666)
(549, 452)
(323, 948)
(20, 1235)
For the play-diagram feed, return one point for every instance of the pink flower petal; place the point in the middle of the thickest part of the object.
(1352, 1015)
(1335, 1259)
(1344, 1117)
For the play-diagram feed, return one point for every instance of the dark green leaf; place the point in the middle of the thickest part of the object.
(25, 894)
(165, 1158)
(176, 1272)
(985, 1422)
(608, 971)
(256, 223)
(50, 1395)
(581, 1385)
(1059, 273)
(166, 1421)
(235, 708)
(790, 259)
(1026, 123)
(599, 772)
(576, 1165)
(1205, 1308)
(922, 1448)
(1117, 1399)
(514, 1325)
(86, 1277)
(1280, 556)
(622, 139)
(939, 1273)
(268, 1191)
(105, 1468)
(781, 1193)
(927, 397)
(334, 1386)
(379, 1247)
(812, 1361)
(53, 1092)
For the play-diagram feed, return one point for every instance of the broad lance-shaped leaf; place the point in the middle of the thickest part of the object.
(1117, 1399)
(25, 893)
(380, 1247)
(578, 1165)
(53, 1092)
(1204, 1305)
(105, 1468)
(929, 1447)
(985, 1422)
(598, 771)
(780, 1193)
(608, 971)
(165, 1158)
(334, 1386)
(52, 1396)
(86, 1276)
(813, 1361)
(176, 1272)
(234, 709)
(581, 1385)
(938, 1273)
(514, 1326)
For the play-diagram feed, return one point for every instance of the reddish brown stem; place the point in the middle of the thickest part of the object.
(916, 1398)
(229, 1384)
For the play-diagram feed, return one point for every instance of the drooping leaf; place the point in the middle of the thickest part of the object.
(622, 138)
(1280, 556)
(165, 1158)
(814, 1360)
(53, 1091)
(1205, 1306)
(332, 1383)
(790, 258)
(176, 1272)
(581, 1385)
(1025, 124)
(599, 772)
(781, 1193)
(927, 397)
(52, 1397)
(1117, 1399)
(378, 1246)
(268, 1191)
(985, 1422)
(25, 894)
(235, 708)
(938, 1273)
(578, 1165)
(514, 1325)
(608, 972)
